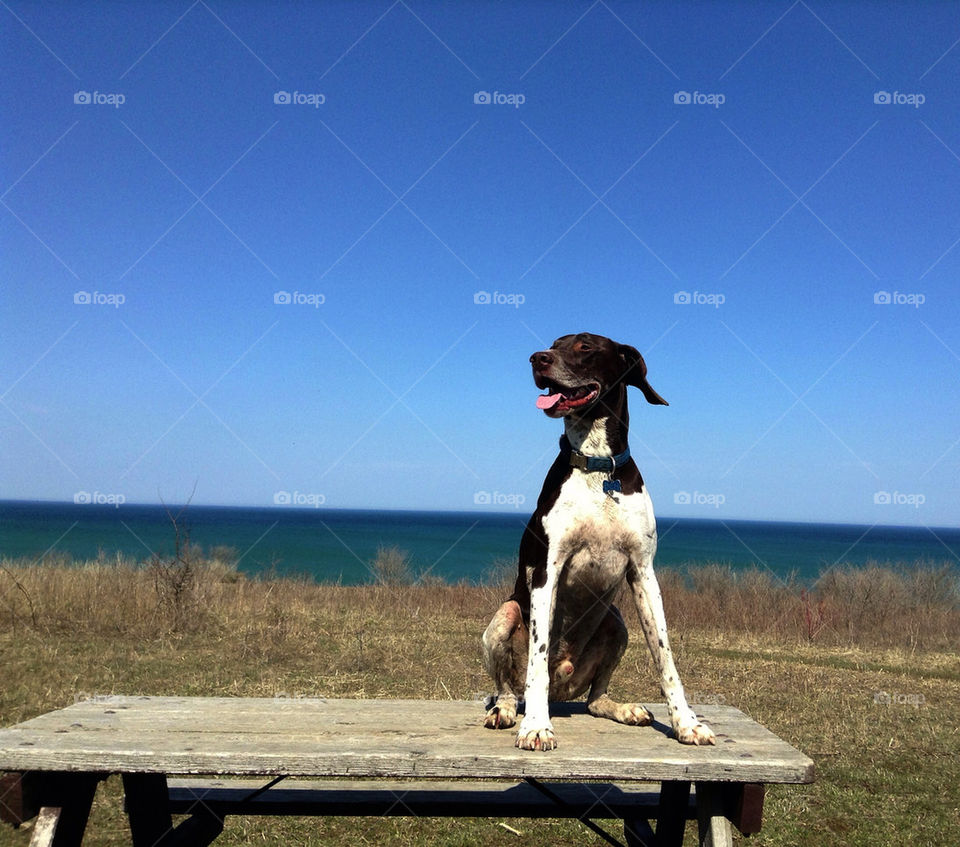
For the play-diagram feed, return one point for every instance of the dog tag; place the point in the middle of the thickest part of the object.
(611, 485)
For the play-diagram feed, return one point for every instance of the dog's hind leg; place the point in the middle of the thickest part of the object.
(505, 658)
(606, 649)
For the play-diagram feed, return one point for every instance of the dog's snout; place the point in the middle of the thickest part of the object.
(542, 359)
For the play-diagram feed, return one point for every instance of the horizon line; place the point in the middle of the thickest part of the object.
(525, 513)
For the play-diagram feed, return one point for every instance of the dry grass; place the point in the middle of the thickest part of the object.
(914, 607)
(887, 766)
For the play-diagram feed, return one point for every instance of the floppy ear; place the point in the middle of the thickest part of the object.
(635, 374)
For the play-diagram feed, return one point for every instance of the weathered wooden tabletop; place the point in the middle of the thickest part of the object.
(382, 738)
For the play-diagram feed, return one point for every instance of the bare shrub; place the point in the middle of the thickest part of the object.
(175, 577)
(392, 567)
(917, 604)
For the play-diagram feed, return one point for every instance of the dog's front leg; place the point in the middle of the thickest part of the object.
(646, 593)
(536, 730)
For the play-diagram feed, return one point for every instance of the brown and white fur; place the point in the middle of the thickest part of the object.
(559, 635)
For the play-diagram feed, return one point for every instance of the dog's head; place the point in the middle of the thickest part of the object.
(586, 375)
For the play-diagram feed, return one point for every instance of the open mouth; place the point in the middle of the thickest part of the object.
(559, 398)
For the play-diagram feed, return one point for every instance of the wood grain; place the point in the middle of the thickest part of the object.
(382, 738)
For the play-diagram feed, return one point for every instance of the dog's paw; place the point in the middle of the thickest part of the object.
(694, 732)
(501, 716)
(633, 714)
(530, 737)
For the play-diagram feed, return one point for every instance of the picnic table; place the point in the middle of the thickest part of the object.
(207, 758)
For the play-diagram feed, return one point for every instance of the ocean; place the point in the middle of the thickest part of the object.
(336, 545)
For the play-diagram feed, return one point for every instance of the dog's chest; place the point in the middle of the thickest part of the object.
(603, 528)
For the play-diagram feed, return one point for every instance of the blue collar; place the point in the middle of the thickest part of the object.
(606, 464)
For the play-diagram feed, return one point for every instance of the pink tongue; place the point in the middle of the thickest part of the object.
(548, 401)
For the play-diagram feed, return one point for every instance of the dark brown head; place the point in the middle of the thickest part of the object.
(586, 375)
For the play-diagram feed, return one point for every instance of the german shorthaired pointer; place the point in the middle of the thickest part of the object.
(559, 635)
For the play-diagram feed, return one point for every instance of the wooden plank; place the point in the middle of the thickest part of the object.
(45, 829)
(274, 713)
(421, 799)
(387, 738)
(408, 717)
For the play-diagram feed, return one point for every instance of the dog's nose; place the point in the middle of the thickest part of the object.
(542, 359)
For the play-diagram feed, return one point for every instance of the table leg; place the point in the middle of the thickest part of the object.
(147, 803)
(746, 807)
(65, 800)
(672, 813)
(151, 824)
(712, 819)
(638, 833)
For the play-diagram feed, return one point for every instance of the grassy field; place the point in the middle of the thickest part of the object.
(862, 674)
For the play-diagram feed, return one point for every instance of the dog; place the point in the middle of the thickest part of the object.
(559, 635)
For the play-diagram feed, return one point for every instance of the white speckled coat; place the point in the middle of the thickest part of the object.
(560, 636)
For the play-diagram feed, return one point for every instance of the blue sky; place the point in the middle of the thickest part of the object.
(263, 253)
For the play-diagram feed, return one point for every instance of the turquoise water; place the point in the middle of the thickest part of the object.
(336, 545)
